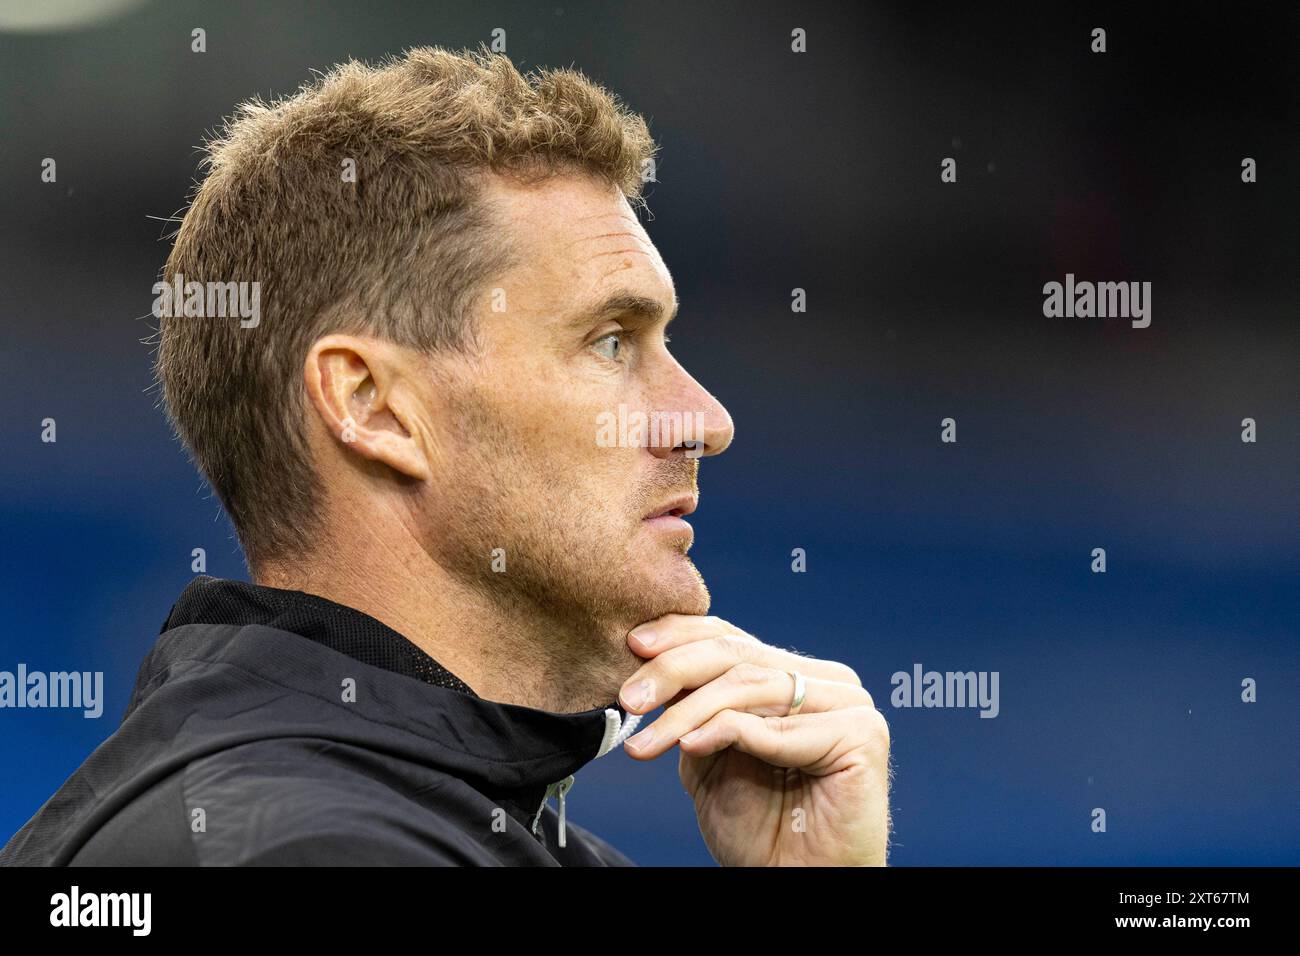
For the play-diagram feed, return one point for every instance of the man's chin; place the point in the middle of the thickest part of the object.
(674, 586)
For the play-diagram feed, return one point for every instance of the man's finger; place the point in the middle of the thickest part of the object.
(762, 691)
(817, 744)
(694, 664)
(673, 630)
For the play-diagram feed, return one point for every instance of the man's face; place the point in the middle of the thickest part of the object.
(535, 462)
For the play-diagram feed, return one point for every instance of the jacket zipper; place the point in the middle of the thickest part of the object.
(617, 730)
(558, 790)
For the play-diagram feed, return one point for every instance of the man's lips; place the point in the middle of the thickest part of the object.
(678, 507)
(670, 518)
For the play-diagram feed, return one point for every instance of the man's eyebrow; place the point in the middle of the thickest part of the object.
(628, 304)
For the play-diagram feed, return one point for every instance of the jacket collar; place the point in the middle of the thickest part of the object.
(209, 600)
(507, 752)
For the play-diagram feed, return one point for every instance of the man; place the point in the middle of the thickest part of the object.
(464, 590)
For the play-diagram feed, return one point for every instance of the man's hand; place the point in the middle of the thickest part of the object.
(769, 789)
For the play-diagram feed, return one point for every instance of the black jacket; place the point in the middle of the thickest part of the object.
(274, 727)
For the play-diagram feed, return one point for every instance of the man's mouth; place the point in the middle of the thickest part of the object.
(670, 518)
(678, 507)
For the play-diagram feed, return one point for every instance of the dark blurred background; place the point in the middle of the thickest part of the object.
(781, 170)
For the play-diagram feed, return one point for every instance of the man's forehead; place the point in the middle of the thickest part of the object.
(586, 235)
(580, 217)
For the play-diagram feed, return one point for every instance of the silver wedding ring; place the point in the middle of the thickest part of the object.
(800, 687)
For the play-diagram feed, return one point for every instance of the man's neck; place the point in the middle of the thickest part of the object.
(506, 653)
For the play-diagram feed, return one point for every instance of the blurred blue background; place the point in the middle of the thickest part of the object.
(819, 171)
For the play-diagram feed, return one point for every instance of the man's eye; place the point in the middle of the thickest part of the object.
(609, 345)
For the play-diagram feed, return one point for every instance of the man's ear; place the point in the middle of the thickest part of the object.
(360, 390)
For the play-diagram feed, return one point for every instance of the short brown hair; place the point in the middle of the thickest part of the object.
(400, 253)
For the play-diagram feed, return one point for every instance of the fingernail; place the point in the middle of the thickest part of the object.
(645, 635)
(639, 741)
(687, 738)
(638, 696)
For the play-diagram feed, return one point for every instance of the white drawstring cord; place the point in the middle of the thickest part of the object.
(616, 731)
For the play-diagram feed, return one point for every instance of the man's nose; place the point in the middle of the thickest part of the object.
(694, 425)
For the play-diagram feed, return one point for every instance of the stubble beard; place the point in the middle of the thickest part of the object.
(573, 573)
